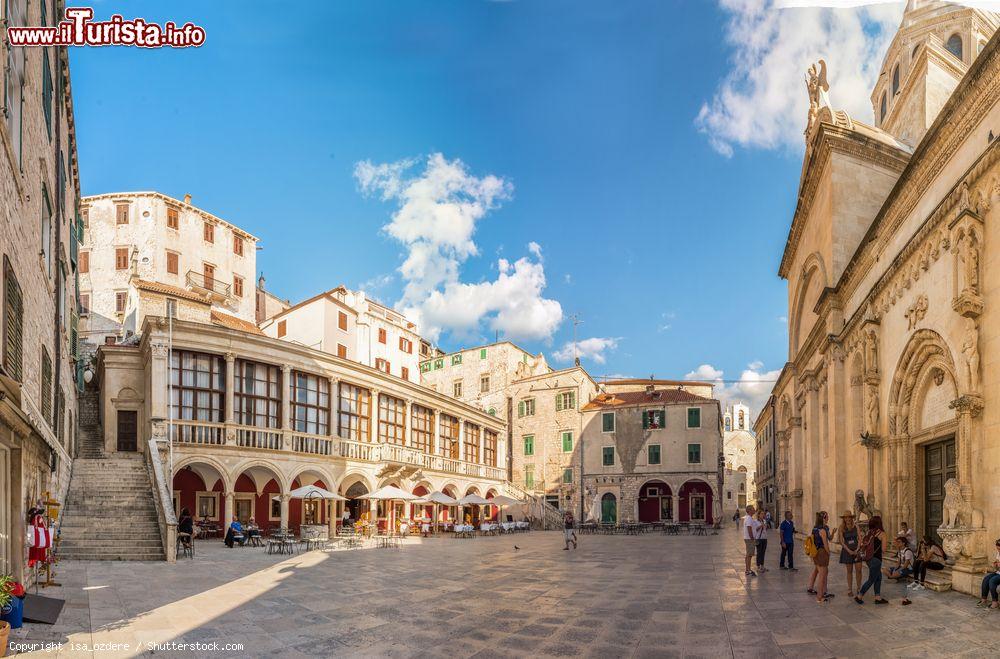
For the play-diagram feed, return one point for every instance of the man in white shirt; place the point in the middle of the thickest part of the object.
(750, 524)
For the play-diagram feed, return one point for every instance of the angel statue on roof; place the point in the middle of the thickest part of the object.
(817, 85)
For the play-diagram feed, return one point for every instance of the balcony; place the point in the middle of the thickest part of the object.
(200, 433)
(210, 287)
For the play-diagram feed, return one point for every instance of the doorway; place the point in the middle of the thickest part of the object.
(128, 430)
(244, 509)
(939, 466)
(609, 509)
(697, 508)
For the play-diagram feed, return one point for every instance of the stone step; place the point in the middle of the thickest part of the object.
(113, 544)
(112, 556)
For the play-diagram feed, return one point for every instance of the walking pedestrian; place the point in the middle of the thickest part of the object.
(749, 540)
(871, 549)
(849, 543)
(930, 556)
(761, 541)
(767, 519)
(821, 561)
(991, 581)
(788, 542)
(568, 532)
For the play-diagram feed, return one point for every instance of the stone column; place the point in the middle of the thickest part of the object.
(230, 386)
(228, 508)
(159, 374)
(836, 430)
(967, 410)
(675, 505)
(284, 510)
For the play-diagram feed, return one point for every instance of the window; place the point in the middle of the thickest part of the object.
(406, 345)
(342, 321)
(84, 304)
(121, 258)
(608, 422)
(653, 454)
(171, 307)
(237, 245)
(457, 389)
(404, 373)
(489, 448)
(448, 437)
(282, 328)
(172, 263)
(425, 366)
(472, 432)
(456, 359)
(567, 441)
(882, 108)
(694, 454)
(208, 232)
(653, 419)
(381, 335)
(341, 350)
(438, 363)
(46, 392)
(895, 80)
(567, 475)
(198, 388)
(121, 297)
(208, 273)
(391, 419)
(694, 417)
(237, 286)
(208, 504)
(529, 476)
(84, 263)
(354, 420)
(482, 353)
(173, 218)
(381, 365)
(565, 400)
(310, 410)
(526, 407)
(529, 444)
(47, 91)
(14, 88)
(421, 427)
(484, 384)
(46, 231)
(608, 456)
(954, 45)
(121, 213)
(257, 394)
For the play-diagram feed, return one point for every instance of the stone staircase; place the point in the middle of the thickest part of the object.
(545, 513)
(110, 514)
(90, 437)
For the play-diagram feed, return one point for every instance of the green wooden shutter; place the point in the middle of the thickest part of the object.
(520, 409)
(559, 405)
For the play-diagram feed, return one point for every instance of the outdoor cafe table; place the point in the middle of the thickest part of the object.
(387, 541)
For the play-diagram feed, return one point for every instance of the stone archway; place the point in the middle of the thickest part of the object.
(922, 396)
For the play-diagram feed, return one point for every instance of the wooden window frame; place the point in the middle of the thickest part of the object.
(342, 321)
(84, 304)
(13, 323)
(120, 262)
(565, 400)
(184, 362)
(282, 328)
(342, 351)
(421, 427)
(649, 454)
(605, 452)
(456, 389)
(175, 258)
(448, 435)
(562, 437)
(237, 245)
(83, 262)
(689, 447)
(604, 426)
(484, 384)
(688, 419)
(123, 212)
(301, 400)
(382, 335)
(354, 412)
(391, 420)
(238, 286)
(489, 448)
(45, 391)
(256, 384)
(529, 444)
(404, 372)
(208, 232)
(121, 301)
(173, 218)
(472, 435)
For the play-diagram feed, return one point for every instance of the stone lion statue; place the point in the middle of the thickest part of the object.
(957, 509)
(863, 505)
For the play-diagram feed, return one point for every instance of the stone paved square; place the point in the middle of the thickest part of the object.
(616, 596)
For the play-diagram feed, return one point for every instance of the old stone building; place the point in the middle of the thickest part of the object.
(133, 238)
(650, 455)
(888, 400)
(39, 241)
(739, 448)
(764, 477)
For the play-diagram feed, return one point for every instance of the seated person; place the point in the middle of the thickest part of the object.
(252, 528)
(904, 560)
(185, 527)
(235, 534)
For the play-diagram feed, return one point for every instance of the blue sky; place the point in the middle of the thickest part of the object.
(659, 239)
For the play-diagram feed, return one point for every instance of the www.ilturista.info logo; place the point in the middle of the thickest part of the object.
(78, 29)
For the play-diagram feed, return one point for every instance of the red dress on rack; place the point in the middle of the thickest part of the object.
(41, 540)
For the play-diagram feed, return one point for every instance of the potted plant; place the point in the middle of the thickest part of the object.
(11, 608)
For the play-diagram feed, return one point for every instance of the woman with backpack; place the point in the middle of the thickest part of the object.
(820, 538)
(871, 553)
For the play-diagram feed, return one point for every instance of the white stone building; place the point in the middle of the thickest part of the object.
(352, 326)
(739, 449)
(150, 237)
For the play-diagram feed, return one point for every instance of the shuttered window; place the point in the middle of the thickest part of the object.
(565, 400)
(173, 218)
(172, 262)
(13, 324)
(47, 90)
(84, 263)
(529, 444)
(342, 321)
(567, 442)
(653, 419)
(46, 392)
(237, 245)
(121, 258)
(694, 417)
(237, 286)
(208, 232)
(121, 213)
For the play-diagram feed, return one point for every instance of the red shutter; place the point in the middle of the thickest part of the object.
(84, 264)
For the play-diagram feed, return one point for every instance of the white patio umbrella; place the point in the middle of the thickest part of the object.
(501, 501)
(473, 500)
(438, 498)
(389, 493)
(314, 492)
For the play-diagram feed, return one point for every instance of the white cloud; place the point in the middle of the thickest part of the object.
(438, 210)
(568, 278)
(591, 349)
(783, 319)
(752, 388)
(762, 102)
(375, 283)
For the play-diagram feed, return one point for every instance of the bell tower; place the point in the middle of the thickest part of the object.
(935, 45)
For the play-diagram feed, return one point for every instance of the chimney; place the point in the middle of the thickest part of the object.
(649, 389)
(187, 199)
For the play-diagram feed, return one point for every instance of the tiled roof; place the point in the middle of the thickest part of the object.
(642, 398)
(232, 322)
(167, 289)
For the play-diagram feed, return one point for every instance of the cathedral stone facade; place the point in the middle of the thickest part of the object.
(889, 400)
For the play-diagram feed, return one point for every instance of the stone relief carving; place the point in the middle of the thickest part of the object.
(970, 354)
(817, 87)
(871, 352)
(871, 409)
(959, 513)
(970, 257)
(964, 203)
(916, 312)
(864, 505)
(159, 350)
